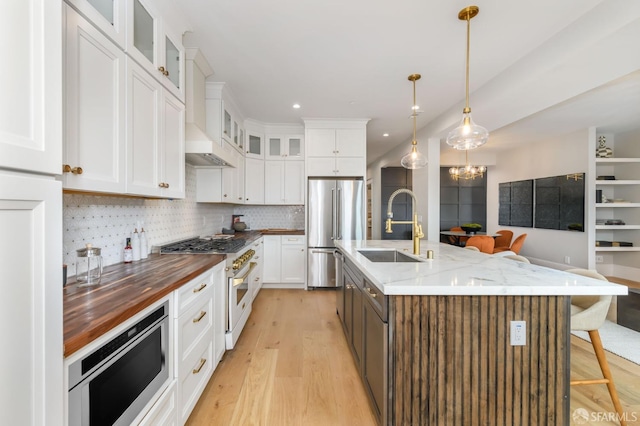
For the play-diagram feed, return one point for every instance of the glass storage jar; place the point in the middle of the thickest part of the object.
(89, 265)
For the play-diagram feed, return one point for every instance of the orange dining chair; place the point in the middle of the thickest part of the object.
(515, 247)
(483, 242)
(458, 240)
(504, 240)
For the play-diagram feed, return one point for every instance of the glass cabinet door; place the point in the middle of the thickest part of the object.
(235, 133)
(241, 139)
(109, 16)
(104, 8)
(254, 147)
(172, 62)
(294, 145)
(143, 31)
(274, 148)
(226, 130)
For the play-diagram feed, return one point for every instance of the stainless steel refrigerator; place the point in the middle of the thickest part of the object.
(336, 211)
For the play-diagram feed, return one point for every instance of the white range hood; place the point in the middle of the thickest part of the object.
(201, 149)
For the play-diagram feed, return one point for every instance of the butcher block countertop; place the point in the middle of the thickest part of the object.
(125, 289)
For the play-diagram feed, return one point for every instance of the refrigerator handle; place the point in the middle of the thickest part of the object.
(339, 215)
(333, 213)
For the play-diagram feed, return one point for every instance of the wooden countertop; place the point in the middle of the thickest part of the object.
(281, 231)
(125, 289)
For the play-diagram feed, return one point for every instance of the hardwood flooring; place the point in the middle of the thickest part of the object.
(292, 366)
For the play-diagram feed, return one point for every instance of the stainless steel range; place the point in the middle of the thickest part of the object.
(238, 268)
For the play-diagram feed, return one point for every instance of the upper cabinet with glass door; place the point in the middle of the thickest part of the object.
(109, 16)
(154, 46)
(289, 147)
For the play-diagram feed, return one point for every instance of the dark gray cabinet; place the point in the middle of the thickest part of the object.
(365, 325)
(353, 316)
(376, 344)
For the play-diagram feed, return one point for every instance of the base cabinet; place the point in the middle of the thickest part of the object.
(284, 259)
(164, 411)
(199, 336)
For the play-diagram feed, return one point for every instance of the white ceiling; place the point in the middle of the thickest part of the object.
(351, 59)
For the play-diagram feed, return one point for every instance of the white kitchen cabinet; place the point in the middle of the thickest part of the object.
(155, 46)
(233, 182)
(284, 147)
(155, 137)
(219, 312)
(254, 181)
(284, 182)
(31, 363)
(336, 151)
(31, 86)
(94, 148)
(31, 312)
(209, 185)
(164, 411)
(284, 259)
(194, 315)
(109, 16)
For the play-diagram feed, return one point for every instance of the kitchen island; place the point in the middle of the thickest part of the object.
(432, 337)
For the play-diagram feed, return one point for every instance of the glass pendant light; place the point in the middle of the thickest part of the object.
(468, 135)
(414, 160)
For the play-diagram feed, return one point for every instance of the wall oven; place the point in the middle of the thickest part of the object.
(111, 385)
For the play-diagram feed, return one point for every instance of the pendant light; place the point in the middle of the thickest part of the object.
(414, 160)
(468, 135)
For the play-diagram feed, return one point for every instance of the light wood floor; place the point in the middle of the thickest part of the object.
(292, 366)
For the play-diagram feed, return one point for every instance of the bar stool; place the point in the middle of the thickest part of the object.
(588, 314)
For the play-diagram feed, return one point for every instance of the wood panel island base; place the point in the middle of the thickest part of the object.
(451, 361)
(432, 338)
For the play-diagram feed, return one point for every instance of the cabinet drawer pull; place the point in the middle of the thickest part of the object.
(202, 362)
(372, 294)
(202, 314)
(199, 289)
(257, 279)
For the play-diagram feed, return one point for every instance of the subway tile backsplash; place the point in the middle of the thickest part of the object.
(106, 221)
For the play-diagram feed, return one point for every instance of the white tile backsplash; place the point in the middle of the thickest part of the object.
(106, 221)
(262, 217)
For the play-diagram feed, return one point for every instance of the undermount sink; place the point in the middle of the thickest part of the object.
(387, 256)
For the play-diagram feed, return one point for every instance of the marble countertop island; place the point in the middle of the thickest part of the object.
(458, 271)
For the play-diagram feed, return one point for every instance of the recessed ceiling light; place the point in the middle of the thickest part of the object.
(296, 106)
(385, 135)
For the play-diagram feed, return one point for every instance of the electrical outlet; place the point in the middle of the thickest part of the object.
(567, 260)
(518, 333)
(599, 259)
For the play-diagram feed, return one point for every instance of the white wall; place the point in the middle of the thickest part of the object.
(557, 156)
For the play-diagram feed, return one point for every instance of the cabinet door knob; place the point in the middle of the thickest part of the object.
(163, 71)
(75, 170)
(372, 294)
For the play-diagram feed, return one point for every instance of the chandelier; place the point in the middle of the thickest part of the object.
(468, 135)
(467, 171)
(414, 160)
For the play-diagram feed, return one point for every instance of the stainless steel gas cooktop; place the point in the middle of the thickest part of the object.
(203, 246)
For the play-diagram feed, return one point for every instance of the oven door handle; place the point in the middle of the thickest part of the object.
(238, 281)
